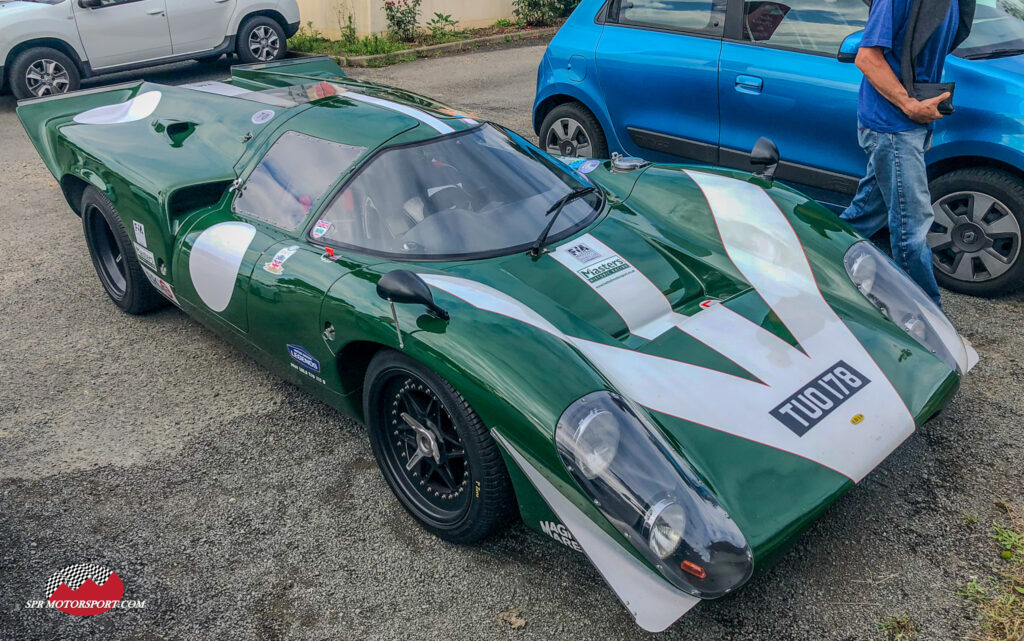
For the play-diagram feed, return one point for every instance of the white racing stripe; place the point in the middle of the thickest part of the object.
(761, 242)
(422, 116)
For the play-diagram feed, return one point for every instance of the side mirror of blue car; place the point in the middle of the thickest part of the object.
(848, 50)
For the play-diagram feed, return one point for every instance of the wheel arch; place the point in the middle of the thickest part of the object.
(53, 43)
(352, 362)
(73, 188)
(273, 14)
(947, 165)
(562, 94)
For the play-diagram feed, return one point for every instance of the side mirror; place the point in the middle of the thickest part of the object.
(404, 287)
(766, 156)
(90, 4)
(848, 50)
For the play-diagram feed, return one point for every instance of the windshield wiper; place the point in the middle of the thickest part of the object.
(554, 211)
(996, 53)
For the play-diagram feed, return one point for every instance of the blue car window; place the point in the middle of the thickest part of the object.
(805, 25)
(677, 15)
(292, 177)
(998, 30)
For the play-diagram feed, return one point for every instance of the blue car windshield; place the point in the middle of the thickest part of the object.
(476, 193)
(998, 30)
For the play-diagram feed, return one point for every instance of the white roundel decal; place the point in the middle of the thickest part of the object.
(215, 259)
(261, 117)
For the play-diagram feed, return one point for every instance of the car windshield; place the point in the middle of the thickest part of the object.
(998, 30)
(475, 193)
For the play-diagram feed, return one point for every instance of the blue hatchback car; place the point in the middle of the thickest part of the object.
(702, 80)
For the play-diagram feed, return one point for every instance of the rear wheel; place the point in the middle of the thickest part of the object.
(42, 71)
(114, 257)
(571, 130)
(976, 236)
(434, 451)
(261, 39)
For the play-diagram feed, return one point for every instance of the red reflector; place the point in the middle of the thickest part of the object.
(330, 252)
(693, 568)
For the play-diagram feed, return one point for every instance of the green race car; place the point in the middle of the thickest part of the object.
(671, 369)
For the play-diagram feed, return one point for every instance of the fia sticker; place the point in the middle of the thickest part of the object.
(588, 166)
(276, 266)
(583, 253)
(262, 116)
(161, 286)
(145, 256)
(704, 304)
(140, 233)
(320, 228)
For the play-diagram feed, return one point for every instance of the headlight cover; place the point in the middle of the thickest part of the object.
(904, 303)
(652, 496)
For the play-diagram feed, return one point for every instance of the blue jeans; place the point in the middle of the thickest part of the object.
(895, 193)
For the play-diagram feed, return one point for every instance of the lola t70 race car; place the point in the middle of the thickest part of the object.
(672, 369)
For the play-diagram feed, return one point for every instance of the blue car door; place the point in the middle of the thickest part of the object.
(657, 62)
(780, 78)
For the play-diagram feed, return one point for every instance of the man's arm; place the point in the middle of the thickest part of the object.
(871, 61)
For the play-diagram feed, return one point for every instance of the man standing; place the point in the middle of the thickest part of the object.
(895, 127)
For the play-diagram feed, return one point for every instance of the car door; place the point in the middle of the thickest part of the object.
(780, 78)
(198, 25)
(657, 63)
(121, 32)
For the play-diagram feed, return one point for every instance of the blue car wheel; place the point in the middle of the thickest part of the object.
(571, 130)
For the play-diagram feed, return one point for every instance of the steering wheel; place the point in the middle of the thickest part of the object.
(450, 197)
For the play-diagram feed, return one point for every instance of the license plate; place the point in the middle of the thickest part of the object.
(813, 402)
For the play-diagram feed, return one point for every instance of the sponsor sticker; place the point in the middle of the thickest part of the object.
(140, 233)
(301, 356)
(606, 271)
(262, 116)
(145, 256)
(320, 228)
(162, 286)
(812, 403)
(588, 166)
(276, 265)
(583, 253)
(710, 302)
(560, 533)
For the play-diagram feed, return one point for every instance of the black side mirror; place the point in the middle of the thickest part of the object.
(766, 156)
(90, 4)
(404, 287)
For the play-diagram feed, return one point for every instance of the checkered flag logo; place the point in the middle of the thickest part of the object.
(75, 575)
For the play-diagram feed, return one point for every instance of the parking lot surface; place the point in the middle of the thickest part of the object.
(240, 508)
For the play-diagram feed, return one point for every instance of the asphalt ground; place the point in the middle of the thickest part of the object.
(240, 508)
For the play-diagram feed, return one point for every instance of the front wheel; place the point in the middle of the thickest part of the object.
(976, 236)
(434, 451)
(261, 39)
(571, 130)
(42, 71)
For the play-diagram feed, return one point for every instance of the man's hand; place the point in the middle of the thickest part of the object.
(871, 61)
(923, 111)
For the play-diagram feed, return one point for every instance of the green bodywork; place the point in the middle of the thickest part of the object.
(173, 173)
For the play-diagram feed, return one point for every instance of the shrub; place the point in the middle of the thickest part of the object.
(568, 6)
(441, 25)
(538, 12)
(403, 17)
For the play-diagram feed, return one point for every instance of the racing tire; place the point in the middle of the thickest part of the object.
(261, 39)
(976, 238)
(114, 258)
(42, 71)
(473, 498)
(571, 130)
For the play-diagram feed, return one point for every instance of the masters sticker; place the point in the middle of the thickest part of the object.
(276, 265)
(607, 271)
(145, 256)
(320, 228)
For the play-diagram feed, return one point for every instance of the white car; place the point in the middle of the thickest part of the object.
(48, 46)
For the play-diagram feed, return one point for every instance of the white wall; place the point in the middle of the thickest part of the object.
(368, 15)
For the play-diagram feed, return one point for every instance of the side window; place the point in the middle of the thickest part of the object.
(678, 15)
(817, 26)
(292, 178)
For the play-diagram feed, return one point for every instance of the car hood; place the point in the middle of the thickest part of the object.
(712, 302)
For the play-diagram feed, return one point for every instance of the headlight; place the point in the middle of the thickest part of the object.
(649, 493)
(904, 303)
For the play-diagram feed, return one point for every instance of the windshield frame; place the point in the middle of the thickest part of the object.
(598, 210)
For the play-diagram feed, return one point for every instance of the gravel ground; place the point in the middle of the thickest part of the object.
(238, 507)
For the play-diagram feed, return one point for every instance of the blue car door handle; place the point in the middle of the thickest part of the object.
(749, 84)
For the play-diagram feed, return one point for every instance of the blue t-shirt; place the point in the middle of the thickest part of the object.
(886, 27)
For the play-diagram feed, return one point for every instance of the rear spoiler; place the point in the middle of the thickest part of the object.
(42, 117)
